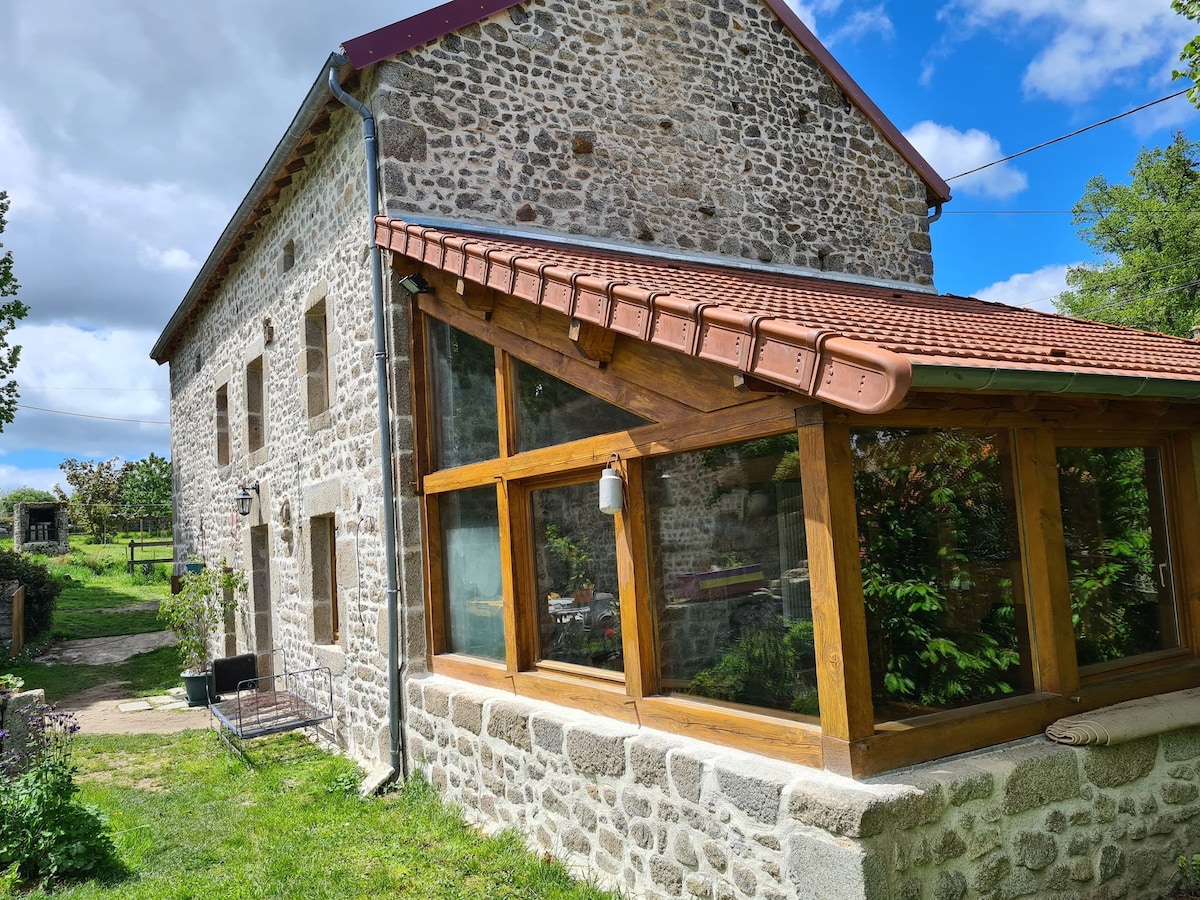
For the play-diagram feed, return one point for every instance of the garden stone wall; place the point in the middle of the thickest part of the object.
(662, 816)
(700, 126)
(15, 712)
(7, 590)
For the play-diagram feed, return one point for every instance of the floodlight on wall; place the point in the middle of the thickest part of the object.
(244, 499)
(415, 284)
(612, 489)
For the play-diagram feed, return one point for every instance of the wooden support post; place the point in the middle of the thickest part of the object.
(839, 614)
(1185, 446)
(637, 622)
(1046, 582)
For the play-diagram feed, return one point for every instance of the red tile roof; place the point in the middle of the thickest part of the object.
(422, 28)
(854, 345)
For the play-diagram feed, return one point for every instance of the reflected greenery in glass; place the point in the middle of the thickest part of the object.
(575, 554)
(1114, 531)
(472, 579)
(726, 527)
(946, 625)
(462, 374)
(550, 411)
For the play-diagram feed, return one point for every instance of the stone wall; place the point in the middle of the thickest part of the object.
(700, 126)
(327, 464)
(42, 528)
(7, 590)
(16, 712)
(658, 816)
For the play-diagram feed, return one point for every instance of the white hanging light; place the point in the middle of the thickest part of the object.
(612, 489)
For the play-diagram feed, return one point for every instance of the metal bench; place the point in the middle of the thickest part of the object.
(248, 705)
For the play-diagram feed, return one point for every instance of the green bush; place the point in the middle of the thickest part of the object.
(41, 590)
(46, 833)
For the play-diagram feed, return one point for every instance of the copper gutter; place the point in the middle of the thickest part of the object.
(819, 363)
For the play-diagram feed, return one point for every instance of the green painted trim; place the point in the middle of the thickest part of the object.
(972, 378)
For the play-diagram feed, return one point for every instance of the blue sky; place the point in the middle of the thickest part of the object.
(129, 132)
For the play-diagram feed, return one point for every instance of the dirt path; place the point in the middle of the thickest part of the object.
(108, 708)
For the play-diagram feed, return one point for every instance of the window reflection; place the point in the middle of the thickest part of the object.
(576, 562)
(552, 412)
(472, 585)
(946, 624)
(463, 387)
(1114, 530)
(731, 574)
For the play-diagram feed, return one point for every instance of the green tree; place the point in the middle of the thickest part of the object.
(1191, 50)
(23, 495)
(1147, 235)
(95, 493)
(10, 310)
(146, 488)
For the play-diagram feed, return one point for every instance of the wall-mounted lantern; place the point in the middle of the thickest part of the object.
(244, 499)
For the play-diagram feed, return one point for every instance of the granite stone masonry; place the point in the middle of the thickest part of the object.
(700, 125)
(658, 816)
(322, 465)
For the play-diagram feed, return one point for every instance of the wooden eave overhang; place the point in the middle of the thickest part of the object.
(811, 361)
(407, 34)
(859, 346)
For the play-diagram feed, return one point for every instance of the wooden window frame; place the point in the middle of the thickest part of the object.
(848, 740)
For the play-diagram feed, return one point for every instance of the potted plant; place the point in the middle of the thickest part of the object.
(196, 614)
(578, 562)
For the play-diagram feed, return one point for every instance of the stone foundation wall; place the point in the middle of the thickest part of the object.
(7, 590)
(658, 816)
(702, 126)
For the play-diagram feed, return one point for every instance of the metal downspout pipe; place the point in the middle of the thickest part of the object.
(395, 661)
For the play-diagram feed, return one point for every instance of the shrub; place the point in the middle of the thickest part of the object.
(41, 590)
(45, 831)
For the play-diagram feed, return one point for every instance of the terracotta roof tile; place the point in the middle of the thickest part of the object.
(731, 314)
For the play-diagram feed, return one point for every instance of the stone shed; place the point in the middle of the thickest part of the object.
(605, 433)
(41, 528)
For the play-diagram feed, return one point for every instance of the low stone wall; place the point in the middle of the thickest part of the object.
(7, 590)
(15, 712)
(657, 815)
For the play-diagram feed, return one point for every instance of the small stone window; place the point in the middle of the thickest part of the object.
(289, 256)
(222, 428)
(316, 359)
(323, 553)
(256, 404)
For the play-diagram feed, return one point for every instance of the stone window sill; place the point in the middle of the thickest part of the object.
(319, 422)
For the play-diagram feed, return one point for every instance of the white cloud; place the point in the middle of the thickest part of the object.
(864, 22)
(106, 374)
(951, 151)
(1035, 290)
(1089, 44)
(170, 260)
(808, 10)
(13, 477)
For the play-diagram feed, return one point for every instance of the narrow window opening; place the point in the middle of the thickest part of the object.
(255, 406)
(316, 359)
(223, 425)
(289, 256)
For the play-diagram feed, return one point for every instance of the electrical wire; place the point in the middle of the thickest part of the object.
(28, 387)
(1064, 137)
(63, 412)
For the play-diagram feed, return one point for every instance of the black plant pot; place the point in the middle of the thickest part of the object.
(198, 687)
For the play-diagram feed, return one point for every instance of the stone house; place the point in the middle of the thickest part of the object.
(42, 528)
(861, 542)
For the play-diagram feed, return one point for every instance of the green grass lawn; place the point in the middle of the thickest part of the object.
(191, 820)
(144, 675)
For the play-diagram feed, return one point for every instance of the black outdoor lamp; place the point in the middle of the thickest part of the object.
(415, 284)
(244, 499)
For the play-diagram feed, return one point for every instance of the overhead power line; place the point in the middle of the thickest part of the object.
(1128, 112)
(29, 387)
(63, 412)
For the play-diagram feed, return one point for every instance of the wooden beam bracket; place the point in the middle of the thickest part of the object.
(595, 344)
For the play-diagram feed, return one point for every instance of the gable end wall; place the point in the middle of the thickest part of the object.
(702, 126)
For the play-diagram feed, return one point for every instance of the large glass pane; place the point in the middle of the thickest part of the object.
(552, 412)
(462, 378)
(946, 624)
(1114, 527)
(472, 587)
(575, 554)
(726, 527)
